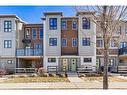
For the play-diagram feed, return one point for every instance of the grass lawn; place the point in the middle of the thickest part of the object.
(100, 79)
(35, 79)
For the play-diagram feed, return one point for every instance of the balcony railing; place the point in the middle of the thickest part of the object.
(123, 51)
(29, 52)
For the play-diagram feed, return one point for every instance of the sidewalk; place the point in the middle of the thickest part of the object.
(75, 83)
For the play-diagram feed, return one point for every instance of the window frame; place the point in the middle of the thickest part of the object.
(86, 24)
(73, 24)
(10, 61)
(53, 42)
(100, 41)
(65, 43)
(65, 25)
(54, 24)
(35, 33)
(51, 61)
(7, 21)
(86, 41)
(76, 42)
(7, 43)
(40, 33)
(87, 61)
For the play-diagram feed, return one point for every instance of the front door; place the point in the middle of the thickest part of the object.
(73, 65)
(65, 63)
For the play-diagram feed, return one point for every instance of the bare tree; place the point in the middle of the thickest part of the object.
(107, 19)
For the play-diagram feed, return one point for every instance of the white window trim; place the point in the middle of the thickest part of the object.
(66, 25)
(72, 42)
(76, 26)
(66, 42)
(32, 34)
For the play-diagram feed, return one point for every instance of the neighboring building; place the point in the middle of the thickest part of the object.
(29, 53)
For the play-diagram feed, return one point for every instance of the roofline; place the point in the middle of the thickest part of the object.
(53, 13)
(85, 12)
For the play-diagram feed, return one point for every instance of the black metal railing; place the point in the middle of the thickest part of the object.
(29, 52)
(123, 51)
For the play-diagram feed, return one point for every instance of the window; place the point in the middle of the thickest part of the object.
(41, 33)
(51, 59)
(9, 61)
(37, 46)
(64, 24)
(7, 44)
(112, 62)
(74, 25)
(74, 42)
(99, 43)
(113, 43)
(52, 41)
(86, 41)
(64, 42)
(53, 23)
(27, 32)
(123, 44)
(86, 23)
(34, 33)
(119, 30)
(7, 26)
(87, 59)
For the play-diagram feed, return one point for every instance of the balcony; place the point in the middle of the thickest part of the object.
(29, 52)
(123, 51)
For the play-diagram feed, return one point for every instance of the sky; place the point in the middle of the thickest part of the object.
(33, 14)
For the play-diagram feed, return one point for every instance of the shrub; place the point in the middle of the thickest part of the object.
(41, 71)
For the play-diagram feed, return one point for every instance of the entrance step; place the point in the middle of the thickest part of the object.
(73, 77)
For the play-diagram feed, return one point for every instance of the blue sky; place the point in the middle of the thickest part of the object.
(32, 14)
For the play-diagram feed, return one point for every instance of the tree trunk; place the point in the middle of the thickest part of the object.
(105, 73)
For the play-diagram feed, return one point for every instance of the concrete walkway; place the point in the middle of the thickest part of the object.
(73, 78)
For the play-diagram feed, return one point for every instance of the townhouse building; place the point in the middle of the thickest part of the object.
(69, 42)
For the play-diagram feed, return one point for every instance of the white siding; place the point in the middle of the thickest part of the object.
(7, 36)
(52, 50)
(87, 51)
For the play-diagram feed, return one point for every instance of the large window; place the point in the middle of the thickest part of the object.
(64, 42)
(52, 23)
(7, 26)
(74, 25)
(74, 42)
(34, 34)
(86, 23)
(41, 33)
(99, 43)
(86, 41)
(87, 59)
(52, 41)
(51, 59)
(7, 44)
(64, 24)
